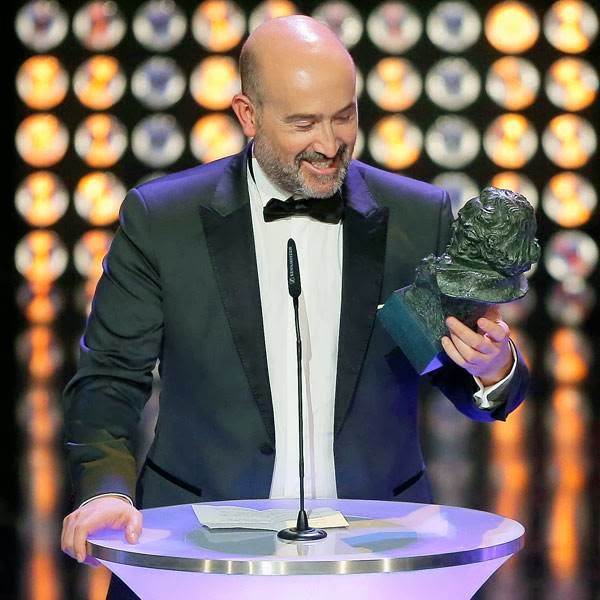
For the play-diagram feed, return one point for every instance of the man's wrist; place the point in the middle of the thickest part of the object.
(108, 495)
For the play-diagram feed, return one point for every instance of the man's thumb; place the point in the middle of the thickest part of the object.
(132, 533)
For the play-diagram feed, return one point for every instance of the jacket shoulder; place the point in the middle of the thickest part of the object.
(183, 190)
(391, 188)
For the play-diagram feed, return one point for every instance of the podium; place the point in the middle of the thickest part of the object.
(390, 550)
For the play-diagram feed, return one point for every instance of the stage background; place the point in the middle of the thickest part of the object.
(106, 94)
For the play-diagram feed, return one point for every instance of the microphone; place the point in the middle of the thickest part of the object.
(293, 270)
(302, 532)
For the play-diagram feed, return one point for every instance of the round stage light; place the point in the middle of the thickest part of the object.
(215, 136)
(343, 18)
(89, 251)
(98, 197)
(271, 9)
(570, 255)
(159, 25)
(41, 199)
(41, 140)
(571, 26)
(395, 142)
(99, 82)
(100, 140)
(569, 356)
(42, 82)
(569, 200)
(460, 187)
(453, 26)
(572, 84)
(214, 82)
(512, 82)
(158, 141)
(511, 27)
(41, 25)
(41, 256)
(569, 141)
(40, 351)
(510, 141)
(394, 84)
(40, 303)
(218, 25)
(158, 83)
(570, 302)
(453, 83)
(99, 25)
(517, 182)
(452, 142)
(394, 27)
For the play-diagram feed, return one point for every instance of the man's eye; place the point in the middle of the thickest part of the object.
(304, 125)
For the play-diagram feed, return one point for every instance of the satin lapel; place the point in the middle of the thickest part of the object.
(365, 232)
(230, 241)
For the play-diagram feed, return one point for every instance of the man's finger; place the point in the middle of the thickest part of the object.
(470, 355)
(452, 352)
(468, 336)
(133, 530)
(495, 330)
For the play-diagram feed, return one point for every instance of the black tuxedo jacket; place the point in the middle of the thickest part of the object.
(180, 284)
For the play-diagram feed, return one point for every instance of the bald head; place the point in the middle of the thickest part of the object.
(280, 48)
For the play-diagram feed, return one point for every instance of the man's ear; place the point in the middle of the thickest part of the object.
(246, 113)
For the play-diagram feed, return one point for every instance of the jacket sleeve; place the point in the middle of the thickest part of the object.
(457, 384)
(118, 351)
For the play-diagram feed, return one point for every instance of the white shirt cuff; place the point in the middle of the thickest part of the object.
(481, 395)
(108, 494)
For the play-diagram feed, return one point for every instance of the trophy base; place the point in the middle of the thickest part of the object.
(417, 342)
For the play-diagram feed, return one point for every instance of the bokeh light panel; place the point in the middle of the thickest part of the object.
(459, 93)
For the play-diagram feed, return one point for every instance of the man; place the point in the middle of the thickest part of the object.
(196, 277)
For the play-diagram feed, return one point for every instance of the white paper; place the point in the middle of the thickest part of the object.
(274, 519)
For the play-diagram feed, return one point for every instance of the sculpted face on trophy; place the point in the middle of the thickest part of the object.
(493, 244)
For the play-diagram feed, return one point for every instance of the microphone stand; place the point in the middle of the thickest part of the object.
(302, 532)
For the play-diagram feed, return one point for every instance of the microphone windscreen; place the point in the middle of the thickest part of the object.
(293, 270)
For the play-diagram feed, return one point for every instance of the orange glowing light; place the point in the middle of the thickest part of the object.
(513, 82)
(41, 199)
(214, 82)
(569, 200)
(41, 140)
(43, 574)
(512, 27)
(394, 84)
(572, 84)
(98, 198)
(40, 256)
(571, 25)
(215, 136)
(99, 83)
(42, 83)
(100, 140)
(395, 142)
(510, 141)
(219, 25)
(569, 141)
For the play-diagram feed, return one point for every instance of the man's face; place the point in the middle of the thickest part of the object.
(306, 128)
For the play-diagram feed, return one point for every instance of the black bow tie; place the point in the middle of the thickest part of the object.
(326, 210)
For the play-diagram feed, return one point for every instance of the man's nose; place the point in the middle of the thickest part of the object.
(326, 142)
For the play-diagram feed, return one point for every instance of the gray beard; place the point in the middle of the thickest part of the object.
(290, 177)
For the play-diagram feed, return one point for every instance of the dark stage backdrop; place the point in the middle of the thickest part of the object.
(464, 94)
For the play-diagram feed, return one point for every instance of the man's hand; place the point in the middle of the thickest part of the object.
(485, 353)
(107, 511)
